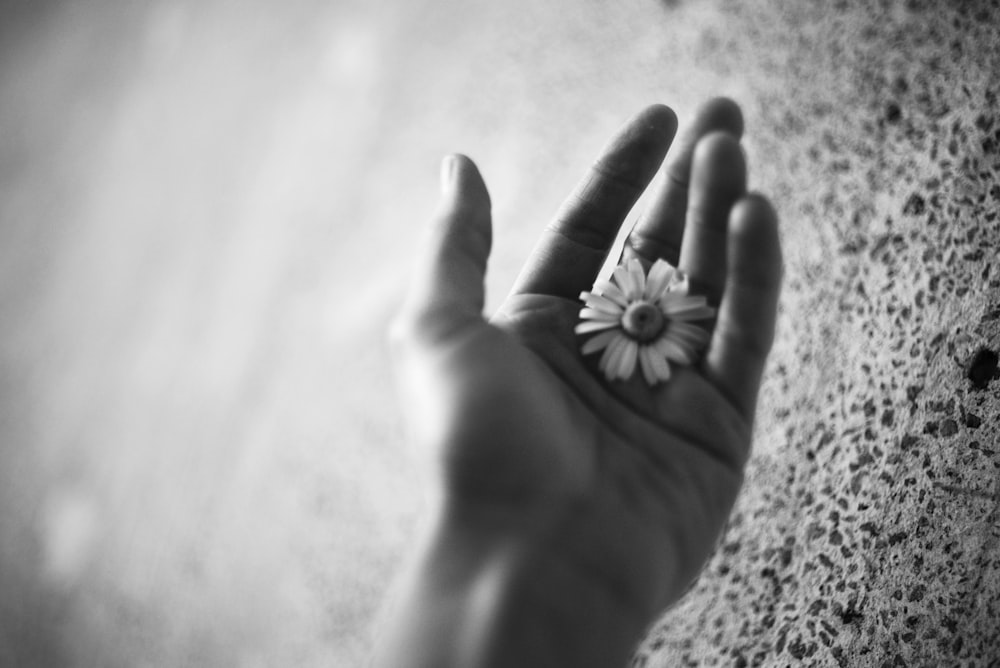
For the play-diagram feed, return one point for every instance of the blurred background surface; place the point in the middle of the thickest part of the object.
(206, 213)
(206, 210)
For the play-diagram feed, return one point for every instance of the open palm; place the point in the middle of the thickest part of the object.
(597, 492)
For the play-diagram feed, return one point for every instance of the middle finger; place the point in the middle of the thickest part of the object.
(660, 229)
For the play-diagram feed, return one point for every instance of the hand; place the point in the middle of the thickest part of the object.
(587, 505)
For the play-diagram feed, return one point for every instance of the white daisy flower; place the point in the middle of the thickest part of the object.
(644, 319)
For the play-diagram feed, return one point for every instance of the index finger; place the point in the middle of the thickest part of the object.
(572, 249)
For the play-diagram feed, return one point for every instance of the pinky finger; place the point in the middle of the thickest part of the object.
(744, 330)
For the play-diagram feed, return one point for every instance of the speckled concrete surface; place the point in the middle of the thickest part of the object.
(869, 529)
(206, 211)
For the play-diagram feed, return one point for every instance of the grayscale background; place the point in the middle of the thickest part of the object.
(206, 214)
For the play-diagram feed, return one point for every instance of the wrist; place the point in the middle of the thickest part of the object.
(482, 598)
(549, 614)
(445, 603)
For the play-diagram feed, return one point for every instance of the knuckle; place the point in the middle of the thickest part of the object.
(423, 328)
(401, 332)
(755, 342)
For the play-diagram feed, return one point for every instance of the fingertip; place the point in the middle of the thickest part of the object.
(463, 164)
(754, 211)
(758, 204)
(448, 169)
(722, 113)
(635, 154)
(661, 118)
(719, 144)
(753, 229)
(462, 182)
(719, 160)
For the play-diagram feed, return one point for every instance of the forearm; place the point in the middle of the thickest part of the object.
(475, 604)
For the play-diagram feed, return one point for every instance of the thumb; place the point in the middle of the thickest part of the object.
(447, 293)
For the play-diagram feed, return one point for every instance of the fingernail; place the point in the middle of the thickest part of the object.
(448, 169)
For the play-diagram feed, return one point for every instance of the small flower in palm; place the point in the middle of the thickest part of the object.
(645, 319)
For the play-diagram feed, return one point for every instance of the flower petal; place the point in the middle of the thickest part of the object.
(623, 277)
(637, 275)
(588, 326)
(601, 303)
(693, 335)
(676, 305)
(599, 341)
(626, 363)
(611, 291)
(674, 301)
(594, 314)
(673, 351)
(657, 280)
(660, 365)
(609, 359)
(646, 357)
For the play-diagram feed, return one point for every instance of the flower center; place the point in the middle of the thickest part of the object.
(643, 321)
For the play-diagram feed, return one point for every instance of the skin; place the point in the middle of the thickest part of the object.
(573, 510)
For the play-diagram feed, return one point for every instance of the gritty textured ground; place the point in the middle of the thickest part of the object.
(206, 209)
(869, 530)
